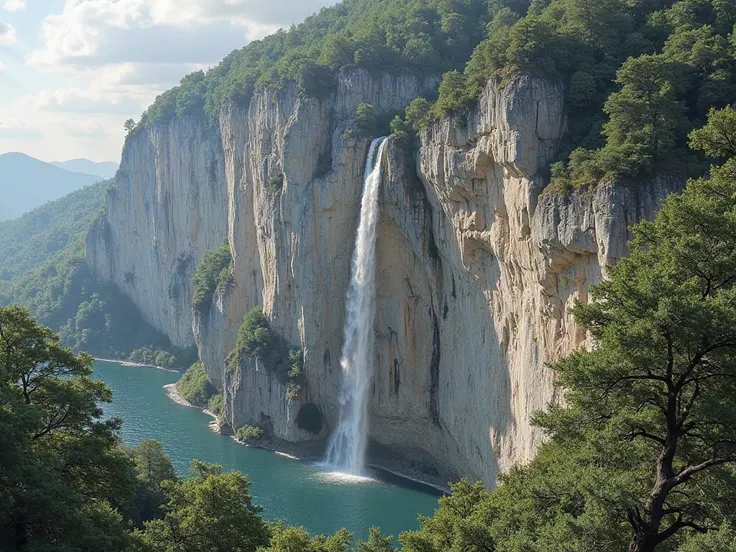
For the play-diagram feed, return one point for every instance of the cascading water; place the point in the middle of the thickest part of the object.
(347, 445)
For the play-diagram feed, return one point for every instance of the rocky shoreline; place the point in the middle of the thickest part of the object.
(174, 395)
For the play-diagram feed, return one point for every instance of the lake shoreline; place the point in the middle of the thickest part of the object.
(292, 453)
(291, 450)
(174, 395)
(302, 493)
(136, 364)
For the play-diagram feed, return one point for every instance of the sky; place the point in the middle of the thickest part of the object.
(72, 72)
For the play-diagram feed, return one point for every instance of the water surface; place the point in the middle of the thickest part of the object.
(300, 493)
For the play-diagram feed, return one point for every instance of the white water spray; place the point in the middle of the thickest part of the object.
(347, 445)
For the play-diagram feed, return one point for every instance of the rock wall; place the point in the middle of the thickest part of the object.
(475, 266)
(167, 208)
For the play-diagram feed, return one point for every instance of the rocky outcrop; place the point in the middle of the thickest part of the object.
(476, 267)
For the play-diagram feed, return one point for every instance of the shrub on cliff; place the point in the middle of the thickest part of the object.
(194, 387)
(214, 271)
(257, 339)
(215, 404)
(249, 434)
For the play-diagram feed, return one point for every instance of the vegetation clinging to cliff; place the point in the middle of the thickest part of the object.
(638, 77)
(256, 338)
(194, 387)
(213, 271)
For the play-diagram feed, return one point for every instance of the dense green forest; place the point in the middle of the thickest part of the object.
(42, 268)
(639, 74)
(428, 36)
(29, 241)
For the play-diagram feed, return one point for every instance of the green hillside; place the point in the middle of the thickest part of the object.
(42, 268)
(29, 241)
(639, 74)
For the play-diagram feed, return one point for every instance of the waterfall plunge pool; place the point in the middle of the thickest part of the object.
(298, 492)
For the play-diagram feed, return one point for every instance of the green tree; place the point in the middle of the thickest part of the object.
(418, 113)
(366, 118)
(644, 115)
(62, 474)
(458, 525)
(194, 387)
(214, 270)
(151, 463)
(212, 510)
(129, 126)
(718, 138)
(658, 394)
(298, 539)
(152, 467)
(376, 542)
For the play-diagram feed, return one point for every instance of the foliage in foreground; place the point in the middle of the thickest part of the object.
(67, 484)
(62, 474)
(211, 510)
(194, 387)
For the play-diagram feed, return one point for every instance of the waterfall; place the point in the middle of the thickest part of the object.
(348, 442)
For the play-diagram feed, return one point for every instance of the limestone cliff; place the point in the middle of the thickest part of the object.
(476, 266)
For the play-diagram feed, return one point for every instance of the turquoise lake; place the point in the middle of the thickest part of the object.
(300, 493)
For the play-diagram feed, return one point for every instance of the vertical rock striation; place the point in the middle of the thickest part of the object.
(475, 266)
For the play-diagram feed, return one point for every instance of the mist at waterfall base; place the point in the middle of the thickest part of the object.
(346, 450)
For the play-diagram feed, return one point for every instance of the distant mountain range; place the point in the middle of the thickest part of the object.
(106, 169)
(27, 183)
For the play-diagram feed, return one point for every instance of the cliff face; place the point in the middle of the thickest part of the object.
(168, 207)
(475, 267)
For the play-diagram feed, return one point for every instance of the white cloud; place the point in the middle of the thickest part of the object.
(19, 130)
(87, 101)
(91, 128)
(98, 32)
(15, 5)
(7, 34)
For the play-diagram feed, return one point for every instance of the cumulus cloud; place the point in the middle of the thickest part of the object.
(122, 89)
(74, 100)
(15, 5)
(18, 130)
(98, 32)
(7, 34)
(91, 128)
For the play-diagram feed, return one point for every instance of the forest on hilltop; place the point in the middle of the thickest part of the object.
(639, 74)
